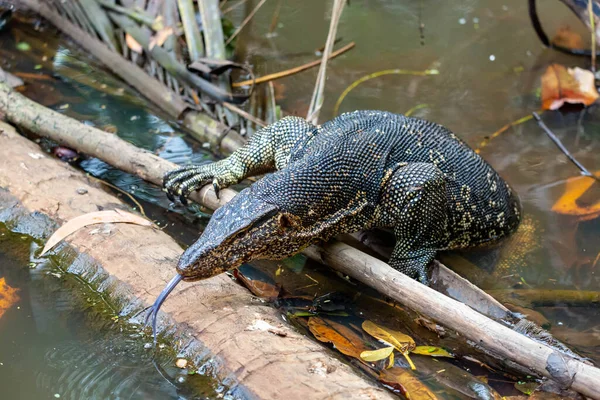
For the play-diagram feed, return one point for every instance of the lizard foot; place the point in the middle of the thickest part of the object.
(182, 181)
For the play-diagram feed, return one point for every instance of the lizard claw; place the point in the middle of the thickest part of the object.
(216, 187)
(183, 200)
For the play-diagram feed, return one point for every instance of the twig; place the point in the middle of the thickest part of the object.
(562, 148)
(593, 28)
(365, 78)
(295, 70)
(233, 7)
(500, 131)
(275, 17)
(244, 22)
(137, 203)
(244, 114)
(316, 101)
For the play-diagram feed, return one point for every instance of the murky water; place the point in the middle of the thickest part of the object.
(489, 62)
(61, 340)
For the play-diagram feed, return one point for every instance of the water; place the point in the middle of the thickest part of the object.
(489, 62)
(61, 340)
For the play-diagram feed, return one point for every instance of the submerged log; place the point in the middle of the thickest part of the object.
(486, 334)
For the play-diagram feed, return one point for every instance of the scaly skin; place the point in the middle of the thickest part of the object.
(361, 170)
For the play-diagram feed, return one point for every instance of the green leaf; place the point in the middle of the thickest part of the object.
(376, 355)
(23, 46)
(431, 351)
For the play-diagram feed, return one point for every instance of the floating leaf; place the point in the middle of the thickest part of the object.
(376, 355)
(567, 38)
(343, 338)
(526, 387)
(257, 287)
(133, 44)
(399, 340)
(561, 85)
(571, 203)
(405, 382)
(8, 296)
(403, 343)
(431, 351)
(23, 46)
(98, 217)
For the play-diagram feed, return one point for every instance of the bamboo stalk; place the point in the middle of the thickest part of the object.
(190, 28)
(100, 22)
(486, 334)
(295, 70)
(200, 125)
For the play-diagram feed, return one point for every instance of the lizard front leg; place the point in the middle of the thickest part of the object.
(414, 201)
(268, 150)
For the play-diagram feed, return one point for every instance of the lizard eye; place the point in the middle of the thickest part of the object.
(284, 221)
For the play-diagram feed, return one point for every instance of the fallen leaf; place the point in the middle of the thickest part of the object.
(98, 217)
(397, 339)
(160, 37)
(561, 85)
(133, 44)
(8, 296)
(431, 351)
(403, 343)
(257, 287)
(566, 37)
(570, 202)
(343, 338)
(376, 355)
(405, 382)
(23, 46)
(526, 387)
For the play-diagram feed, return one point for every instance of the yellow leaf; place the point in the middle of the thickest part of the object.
(408, 384)
(8, 296)
(98, 217)
(570, 202)
(431, 351)
(403, 343)
(343, 338)
(133, 44)
(376, 355)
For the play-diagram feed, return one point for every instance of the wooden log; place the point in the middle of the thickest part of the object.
(484, 333)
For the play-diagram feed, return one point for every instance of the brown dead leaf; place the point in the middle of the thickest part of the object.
(570, 203)
(408, 384)
(133, 44)
(160, 37)
(343, 338)
(566, 37)
(561, 85)
(98, 217)
(257, 287)
(8, 296)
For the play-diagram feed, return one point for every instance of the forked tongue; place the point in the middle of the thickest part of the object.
(159, 300)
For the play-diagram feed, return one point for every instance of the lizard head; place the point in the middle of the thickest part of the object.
(245, 229)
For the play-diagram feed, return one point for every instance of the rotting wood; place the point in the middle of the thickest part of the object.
(484, 333)
(200, 125)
